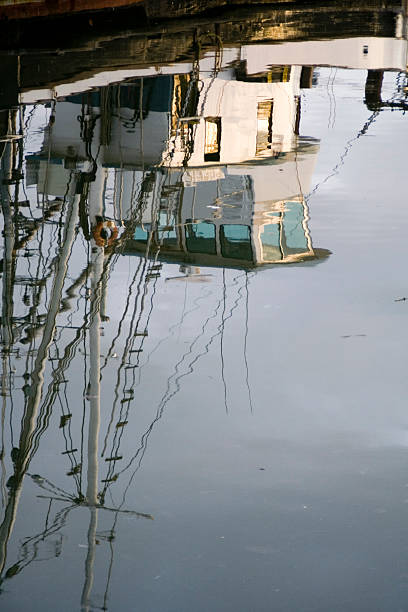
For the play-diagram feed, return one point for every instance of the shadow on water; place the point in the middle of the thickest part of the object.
(180, 145)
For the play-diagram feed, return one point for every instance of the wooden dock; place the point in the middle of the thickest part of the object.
(23, 10)
(30, 9)
(43, 53)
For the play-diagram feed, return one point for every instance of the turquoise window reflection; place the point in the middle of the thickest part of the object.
(293, 226)
(236, 242)
(140, 234)
(270, 238)
(200, 238)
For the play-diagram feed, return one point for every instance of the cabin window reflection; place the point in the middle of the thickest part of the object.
(236, 242)
(212, 146)
(279, 74)
(271, 242)
(276, 74)
(297, 119)
(264, 127)
(184, 102)
(200, 238)
(167, 230)
(295, 237)
(140, 234)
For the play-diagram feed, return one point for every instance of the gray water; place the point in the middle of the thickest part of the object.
(252, 449)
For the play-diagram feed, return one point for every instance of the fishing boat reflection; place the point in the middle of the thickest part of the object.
(211, 171)
(145, 167)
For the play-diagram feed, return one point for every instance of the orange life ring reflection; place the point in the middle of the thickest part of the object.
(105, 233)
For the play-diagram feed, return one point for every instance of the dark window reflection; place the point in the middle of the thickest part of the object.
(236, 242)
(200, 238)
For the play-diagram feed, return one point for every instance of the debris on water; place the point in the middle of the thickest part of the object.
(401, 299)
(355, 336)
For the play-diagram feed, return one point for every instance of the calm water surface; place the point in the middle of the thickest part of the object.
(204, 335)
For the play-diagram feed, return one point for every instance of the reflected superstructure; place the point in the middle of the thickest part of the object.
(224, 172)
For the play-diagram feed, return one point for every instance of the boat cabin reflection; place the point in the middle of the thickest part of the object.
(283, 238)
(208, 171)
(229, 216)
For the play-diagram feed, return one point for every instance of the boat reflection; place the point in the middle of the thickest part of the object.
(203, 170)
(210, 169)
